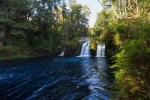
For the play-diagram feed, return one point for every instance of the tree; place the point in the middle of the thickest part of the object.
(28, 19)
(123, 8)
(79, 18)
(2, 34)
(104, 19)
(71, 2)
(45, 24)
(14, 17)
(3, 19)
(129, 35)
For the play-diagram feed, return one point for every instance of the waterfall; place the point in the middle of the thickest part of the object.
(100, 50)
(62, 53)
(85, 51)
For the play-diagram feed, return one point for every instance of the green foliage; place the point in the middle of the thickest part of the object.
(131, 61)
(41, 26)
(11, 52)
(73, 23)
(128, 41)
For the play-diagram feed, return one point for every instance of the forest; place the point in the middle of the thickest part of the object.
(31, 28)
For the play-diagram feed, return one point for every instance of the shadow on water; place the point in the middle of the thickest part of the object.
(55, 78)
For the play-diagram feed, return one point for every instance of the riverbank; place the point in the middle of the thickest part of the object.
(13, 52)
(10, 52)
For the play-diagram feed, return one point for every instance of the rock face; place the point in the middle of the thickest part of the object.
(93, 52)
(72, 49)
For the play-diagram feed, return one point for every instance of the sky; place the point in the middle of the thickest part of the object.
(94, 8)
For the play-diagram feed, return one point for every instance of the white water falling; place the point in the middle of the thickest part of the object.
(62, 53)
(100, 50)
(85, 51)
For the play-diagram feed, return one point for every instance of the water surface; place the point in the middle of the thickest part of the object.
(55, 78)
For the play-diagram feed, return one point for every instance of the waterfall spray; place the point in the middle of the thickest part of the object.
(85, 51)
(62, 53)
(100, 50)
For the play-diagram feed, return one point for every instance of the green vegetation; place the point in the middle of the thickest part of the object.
(124, 28)
(39, 27)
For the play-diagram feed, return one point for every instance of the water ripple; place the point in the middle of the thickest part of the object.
(57, 78)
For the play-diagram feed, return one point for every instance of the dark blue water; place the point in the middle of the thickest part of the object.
(55, 78)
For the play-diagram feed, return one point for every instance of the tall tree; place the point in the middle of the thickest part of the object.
(79, 18)
(123, 8)
(14, 17)
(71, 2)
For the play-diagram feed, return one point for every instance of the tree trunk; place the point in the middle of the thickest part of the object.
(2, 34)
(118, 17)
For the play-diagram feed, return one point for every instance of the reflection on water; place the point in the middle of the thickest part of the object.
(96, 75)
(55, 78)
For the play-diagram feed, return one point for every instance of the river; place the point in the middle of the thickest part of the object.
(56, 78)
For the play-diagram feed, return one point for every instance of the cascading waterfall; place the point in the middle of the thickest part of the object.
(100, 50)
(62, 53)
(85, 51)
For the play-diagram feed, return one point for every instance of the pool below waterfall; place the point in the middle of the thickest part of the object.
(56, 78)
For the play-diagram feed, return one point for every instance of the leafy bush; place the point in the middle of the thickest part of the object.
(132, 63)
(11, 52)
